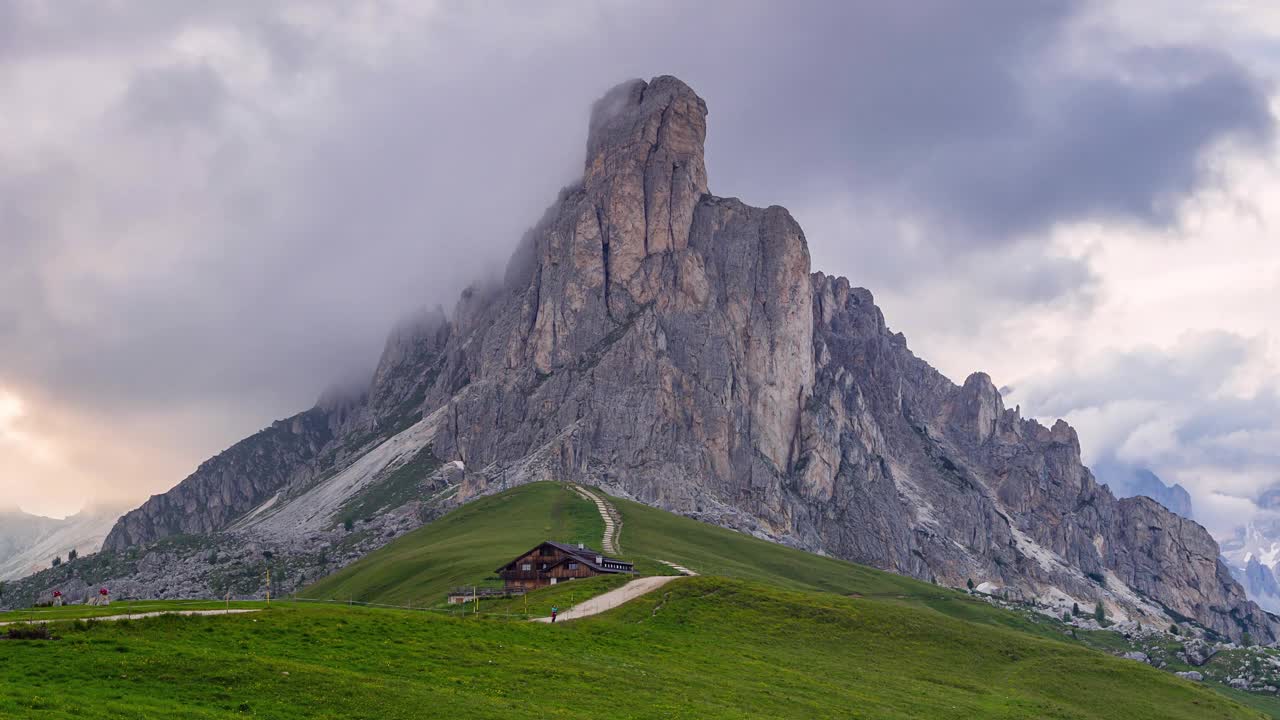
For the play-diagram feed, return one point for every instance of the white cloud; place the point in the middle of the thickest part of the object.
(1175, 365)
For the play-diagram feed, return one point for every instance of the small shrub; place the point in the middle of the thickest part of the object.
(72, 555)
(34, 631)
(969, 584)
(1173, 629)
(1099, 614)
(57, 561)
(1075, 609)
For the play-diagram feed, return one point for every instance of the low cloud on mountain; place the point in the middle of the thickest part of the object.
(213, 211)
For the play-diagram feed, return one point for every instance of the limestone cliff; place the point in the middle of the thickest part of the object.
(673, 346)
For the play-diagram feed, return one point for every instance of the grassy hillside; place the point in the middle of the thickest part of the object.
(465, 546)
(701, 648)
(650, 533)
(768, 631)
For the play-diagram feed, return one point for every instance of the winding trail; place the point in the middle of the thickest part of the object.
(613, 526)
(608, 513)
(632, 590)
(678, 568)
(131, 616)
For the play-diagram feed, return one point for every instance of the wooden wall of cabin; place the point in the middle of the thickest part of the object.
(541, 569)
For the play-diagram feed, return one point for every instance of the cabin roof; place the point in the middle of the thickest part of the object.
(584, 555)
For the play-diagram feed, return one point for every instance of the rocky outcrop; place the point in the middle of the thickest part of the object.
(673, 346)
(1175, 562)
(984, 493)
(230, 484)
(1127, 481)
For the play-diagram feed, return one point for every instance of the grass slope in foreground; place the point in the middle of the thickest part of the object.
(700, 648)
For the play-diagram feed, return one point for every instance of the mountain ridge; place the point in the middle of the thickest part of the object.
(674, 347)
(1127, 481)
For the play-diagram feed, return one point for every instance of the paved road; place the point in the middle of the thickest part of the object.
(613, 598)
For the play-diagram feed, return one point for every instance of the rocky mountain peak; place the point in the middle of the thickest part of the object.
(979, 409)
(644, 176)
(673, 347)
(659, 125)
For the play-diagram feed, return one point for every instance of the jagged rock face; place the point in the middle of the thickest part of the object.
(942, 482)
(673, 346)
(1125, 481)
(228, 485)
(648, 333)
(1174, 560)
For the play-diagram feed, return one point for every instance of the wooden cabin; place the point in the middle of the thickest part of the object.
(552, 562)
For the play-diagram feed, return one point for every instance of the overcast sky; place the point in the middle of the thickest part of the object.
(209, 212)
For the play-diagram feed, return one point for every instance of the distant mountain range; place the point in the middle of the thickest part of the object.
(1253, 552)
(29, 543)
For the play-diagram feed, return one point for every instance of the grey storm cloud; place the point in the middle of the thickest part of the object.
(964, 113)
(242, 238)
(175, 97)
(1197, 368)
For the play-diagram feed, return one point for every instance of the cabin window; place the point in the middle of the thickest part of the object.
(573, 566)
(544, 566)
(526, 567)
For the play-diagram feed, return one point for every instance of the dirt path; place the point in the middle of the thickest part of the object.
(613, 526)
(678, 568)
(133, 616)
(608, 513)
(613, 598)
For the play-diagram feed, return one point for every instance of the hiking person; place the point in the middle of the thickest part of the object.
(554, 611)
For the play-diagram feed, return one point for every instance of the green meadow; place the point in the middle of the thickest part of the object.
(765, 631)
